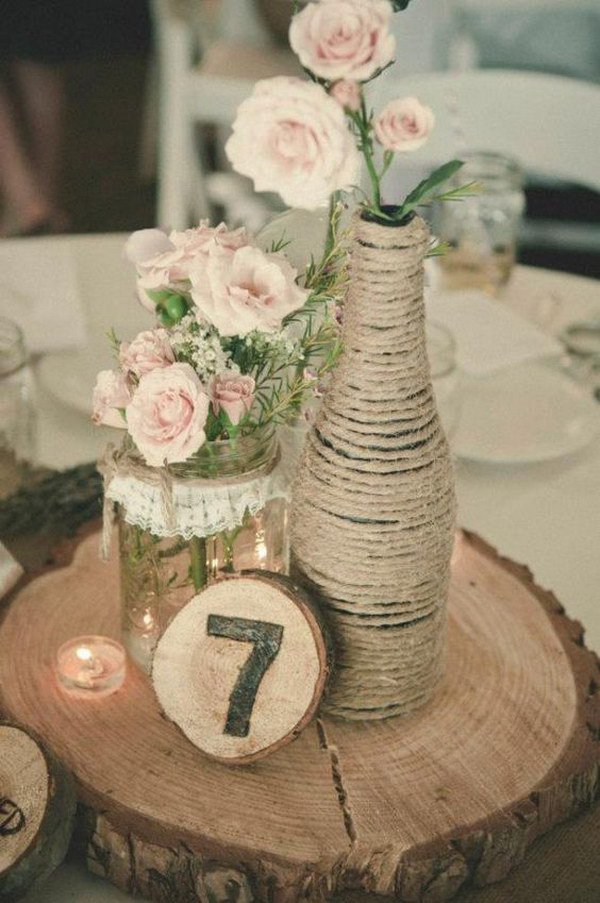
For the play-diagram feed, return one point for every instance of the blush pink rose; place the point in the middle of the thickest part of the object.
(232, 393)
(169, 269)
(110, 394)
(203, 237)
(150, 349)
(292, 138)
(239, 291)
(347, 93)
(167, 415)
(404, 125)
(146, 243)
(344, 38)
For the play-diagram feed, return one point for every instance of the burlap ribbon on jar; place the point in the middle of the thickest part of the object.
(373, 506)
(165, 503)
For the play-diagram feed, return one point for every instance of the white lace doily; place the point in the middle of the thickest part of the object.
(198, 509)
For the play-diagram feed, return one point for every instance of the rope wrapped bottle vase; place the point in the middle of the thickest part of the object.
(373, 502)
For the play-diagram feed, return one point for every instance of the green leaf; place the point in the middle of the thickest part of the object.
(214, 426)
(279, 244)
(158, 295)
(469, 190)
(176, 307)
(165, 319)
(115, 342)
(438, 249)
(428, 185)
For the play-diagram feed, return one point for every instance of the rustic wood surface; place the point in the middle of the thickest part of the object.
(240, 688)
(37, 812)
(418, 807)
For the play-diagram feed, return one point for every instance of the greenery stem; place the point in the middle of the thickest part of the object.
(198, 573)
(330, 242)
(361, 121)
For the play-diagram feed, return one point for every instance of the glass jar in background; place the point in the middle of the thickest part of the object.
(482, 230)
(160, 574)
(441, 351)
(17, 408)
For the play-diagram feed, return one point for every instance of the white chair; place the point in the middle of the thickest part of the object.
(208, 92)
(550, 123)
(559, 36)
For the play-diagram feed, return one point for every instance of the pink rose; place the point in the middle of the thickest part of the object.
(290, 137)
(149, 350)
(167, 414)
(146, 243)
(239, 291)
(404, 125)
(203, 237)
(347, 94)
(344, 38)
(110, 393)
(169, 268)
(232, 393)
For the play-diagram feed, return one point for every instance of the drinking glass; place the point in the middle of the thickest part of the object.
(481, 230)
(17, 412)
(582, 358)
(441, 350)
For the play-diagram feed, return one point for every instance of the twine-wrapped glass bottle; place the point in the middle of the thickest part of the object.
(373, 503)
(222, 512)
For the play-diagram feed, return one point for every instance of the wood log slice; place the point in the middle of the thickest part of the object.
(242, 667)
(37, 811)
(416, 807)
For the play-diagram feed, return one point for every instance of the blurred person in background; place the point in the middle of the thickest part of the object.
(36, 38)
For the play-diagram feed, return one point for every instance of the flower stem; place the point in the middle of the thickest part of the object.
(361, 121)
(330, 242)
(373, 176)
(198, 574)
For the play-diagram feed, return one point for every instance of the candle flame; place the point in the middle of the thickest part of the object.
(84, 654)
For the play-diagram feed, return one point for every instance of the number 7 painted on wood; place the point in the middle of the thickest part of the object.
(266, 638)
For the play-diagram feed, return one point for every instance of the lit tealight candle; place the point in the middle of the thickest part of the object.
(91, 666)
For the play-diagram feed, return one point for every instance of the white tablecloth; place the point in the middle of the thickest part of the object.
(547, 515)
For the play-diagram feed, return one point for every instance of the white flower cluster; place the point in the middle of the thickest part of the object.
(271, 342)
(201, 347)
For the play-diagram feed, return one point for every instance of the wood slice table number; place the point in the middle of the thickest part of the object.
(242, 668)
(37, 810)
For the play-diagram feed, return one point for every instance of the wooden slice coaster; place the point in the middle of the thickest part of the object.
(37, 809)
(414, 807)
(241, 669)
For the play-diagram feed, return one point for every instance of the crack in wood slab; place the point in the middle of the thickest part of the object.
(338, 781)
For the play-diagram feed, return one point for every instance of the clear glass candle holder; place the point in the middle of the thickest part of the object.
(91, 666)
(481, 230)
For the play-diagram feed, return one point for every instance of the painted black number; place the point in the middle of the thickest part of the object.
(12, 819)
(267, 642)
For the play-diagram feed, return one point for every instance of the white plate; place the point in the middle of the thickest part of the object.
(106, 286)
(528, 413)
(70, 376)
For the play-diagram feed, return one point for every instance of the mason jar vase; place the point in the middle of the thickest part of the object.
(160, 574)
(482, 230)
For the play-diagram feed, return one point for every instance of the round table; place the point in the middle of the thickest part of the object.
(546, 515)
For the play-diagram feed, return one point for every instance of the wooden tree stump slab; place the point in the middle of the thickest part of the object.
(37, 812)
(416, 807)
